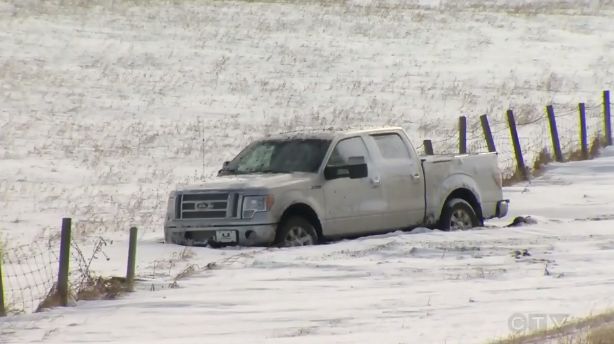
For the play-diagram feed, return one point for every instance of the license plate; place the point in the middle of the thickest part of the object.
(226, 236)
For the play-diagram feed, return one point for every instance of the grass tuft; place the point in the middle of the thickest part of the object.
(103, 289)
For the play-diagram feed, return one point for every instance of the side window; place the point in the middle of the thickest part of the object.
(392, 147)
(346, 149)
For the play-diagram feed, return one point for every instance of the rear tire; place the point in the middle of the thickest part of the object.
(296, 231)
(458, 214)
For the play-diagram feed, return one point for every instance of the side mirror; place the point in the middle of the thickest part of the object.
(355, 169)
(225, 164)
(359, 171)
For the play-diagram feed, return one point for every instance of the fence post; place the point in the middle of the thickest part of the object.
(487, 133)
(2, 309)
(517, 149)
(558, 155)
(131, 259)
(583, 135)
(64, 261)
(462, 135)
(428, 147)
(607, 117)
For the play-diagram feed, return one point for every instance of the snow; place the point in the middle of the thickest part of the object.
(107, 106)
(403, 287)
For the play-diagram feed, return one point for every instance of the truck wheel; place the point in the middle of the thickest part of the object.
(457, 214)
(295, 231)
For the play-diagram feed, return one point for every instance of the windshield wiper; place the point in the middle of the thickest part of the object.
(271, 171)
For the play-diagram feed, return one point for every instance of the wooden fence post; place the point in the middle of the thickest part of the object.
(487, 133)
(583, 135)
(517, 149)
(556, 144)
(64, 261)
(2, 309)
(607, 118)
(462, 135)
(131, 259)
(428, 147)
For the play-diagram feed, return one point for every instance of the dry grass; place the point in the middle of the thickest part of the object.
(514, 178)
(577, 155)
(598, 329)
(543, 158)
(52, 300)
(602, 335)
(103, 289)
(99, 288)
(596, 145)
(593, 150)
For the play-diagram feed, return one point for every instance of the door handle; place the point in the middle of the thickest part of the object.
(415, 176)
(376, 181)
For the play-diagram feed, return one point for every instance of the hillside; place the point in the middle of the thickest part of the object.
(106, 106)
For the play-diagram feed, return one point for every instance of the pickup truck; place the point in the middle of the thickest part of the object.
(303, 188)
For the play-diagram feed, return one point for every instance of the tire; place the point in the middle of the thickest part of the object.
(296, 231)
(457, 214)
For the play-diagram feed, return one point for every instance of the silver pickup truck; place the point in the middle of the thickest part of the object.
(302, 188)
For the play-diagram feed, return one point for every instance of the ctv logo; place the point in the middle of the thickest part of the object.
(530, 322)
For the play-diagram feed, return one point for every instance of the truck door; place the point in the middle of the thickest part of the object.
(401, 179)
(353, 206)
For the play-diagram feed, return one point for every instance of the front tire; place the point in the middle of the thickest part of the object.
(296, 231)
(458, 214)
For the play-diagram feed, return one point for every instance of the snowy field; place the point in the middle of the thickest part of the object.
(105, 106)
(419, 287)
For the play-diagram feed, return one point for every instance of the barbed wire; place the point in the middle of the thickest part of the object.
(534, 135)
(81, 274)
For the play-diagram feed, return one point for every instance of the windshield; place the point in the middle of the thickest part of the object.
(279, 156)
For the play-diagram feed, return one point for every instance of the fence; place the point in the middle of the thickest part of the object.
(39, 275)
(561, 133)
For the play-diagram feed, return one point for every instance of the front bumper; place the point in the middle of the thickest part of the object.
(502, 207)
(247, 235)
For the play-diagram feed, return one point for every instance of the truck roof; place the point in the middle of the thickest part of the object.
(330, 133)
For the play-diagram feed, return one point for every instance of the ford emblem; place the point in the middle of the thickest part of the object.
(202, 205)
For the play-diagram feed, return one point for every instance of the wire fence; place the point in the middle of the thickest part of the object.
(534, 136)
(29, 274)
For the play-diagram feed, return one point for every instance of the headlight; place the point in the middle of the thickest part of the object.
(256, 204)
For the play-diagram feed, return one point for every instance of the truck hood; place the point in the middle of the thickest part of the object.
(251, 181)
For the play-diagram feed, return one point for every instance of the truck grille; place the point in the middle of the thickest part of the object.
(210, 205)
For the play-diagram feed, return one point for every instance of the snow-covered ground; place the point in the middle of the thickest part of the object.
(419, 287)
